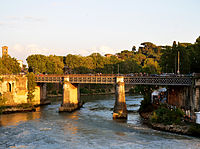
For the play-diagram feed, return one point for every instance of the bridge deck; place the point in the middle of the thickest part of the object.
(111, 79)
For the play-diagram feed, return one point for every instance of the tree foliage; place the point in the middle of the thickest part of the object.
(9, 65)
(167, 116)
(31, 86)
(189, 58)
(45, 64)
(149, 58)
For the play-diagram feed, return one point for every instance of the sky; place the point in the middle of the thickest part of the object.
(60, 27)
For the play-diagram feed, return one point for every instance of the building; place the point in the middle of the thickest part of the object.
(20, 63)
(108, 55)
(4, 51)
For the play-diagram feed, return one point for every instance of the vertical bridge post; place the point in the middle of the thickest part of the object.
(120, 110)
(43, 92)
(71, 97)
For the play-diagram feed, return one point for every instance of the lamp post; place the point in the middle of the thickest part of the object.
(118, 69)
(96, 60)
(178, 71)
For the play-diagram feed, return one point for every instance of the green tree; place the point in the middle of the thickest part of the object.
(31, 86)
(73, 61)
(54, 65)
(151, 66)
(195, 56)
(37, 63)
(129, 66)
(168, 59)
(125, 54)
(140, 58)
(3, 69)
(9, 65)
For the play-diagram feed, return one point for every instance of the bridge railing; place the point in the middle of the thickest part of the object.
(93, 79)
(159, 80)
(111, 79)
(49, 78)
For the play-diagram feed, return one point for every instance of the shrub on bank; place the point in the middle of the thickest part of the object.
(194, 130)
(132, 91)
(85, 91)
(146, 105)
(54, 92)
(167, 116)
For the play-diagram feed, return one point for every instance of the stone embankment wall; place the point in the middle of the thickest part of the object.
(14, 91)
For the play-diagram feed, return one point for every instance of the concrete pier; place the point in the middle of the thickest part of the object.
(71, 97)
(196, 98)
(43, 91)
(120, 109)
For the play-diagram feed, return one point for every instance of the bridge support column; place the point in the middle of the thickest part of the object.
(196, 99)
(43, 91)
(71, 98)
(120, 110)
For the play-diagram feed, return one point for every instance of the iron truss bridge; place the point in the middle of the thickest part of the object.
(111, 79)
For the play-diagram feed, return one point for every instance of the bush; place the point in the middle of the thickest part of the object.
(103, 90)
(154, 117)
(31, 86)
(2, 100)
(146, 105)
(54, 92)
(25, 105)
(194, 130)
(167, 116)
(131, 91)
(85, 91)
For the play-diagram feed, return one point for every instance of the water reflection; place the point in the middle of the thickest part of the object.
(17, 118)
(120, 133)
(71, 124)
(90, 127)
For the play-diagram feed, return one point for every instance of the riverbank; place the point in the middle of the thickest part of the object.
(184, 127)
(25, 107)
(17, 108)
(82, 94)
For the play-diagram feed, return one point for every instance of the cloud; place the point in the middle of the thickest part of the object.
(34, 49)
(18, 48)
(33, 19)
(14, 20)
(101, 49)
(58, 3)
(2, 23)
(21, 52)
(106, 50)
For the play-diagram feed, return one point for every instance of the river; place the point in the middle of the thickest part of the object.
(90, 127)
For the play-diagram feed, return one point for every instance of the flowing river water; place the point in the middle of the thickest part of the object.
(90, 127)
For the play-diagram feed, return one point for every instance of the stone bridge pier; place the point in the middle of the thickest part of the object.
(43, 91)
(197, 99)
(120, 109)
(71, 97)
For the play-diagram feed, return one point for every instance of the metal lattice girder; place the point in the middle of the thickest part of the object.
(111, 79)
(159, 80)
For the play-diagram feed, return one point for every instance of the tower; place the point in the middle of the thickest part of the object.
(4, 51)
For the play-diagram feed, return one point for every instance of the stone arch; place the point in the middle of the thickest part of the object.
(9, 87)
